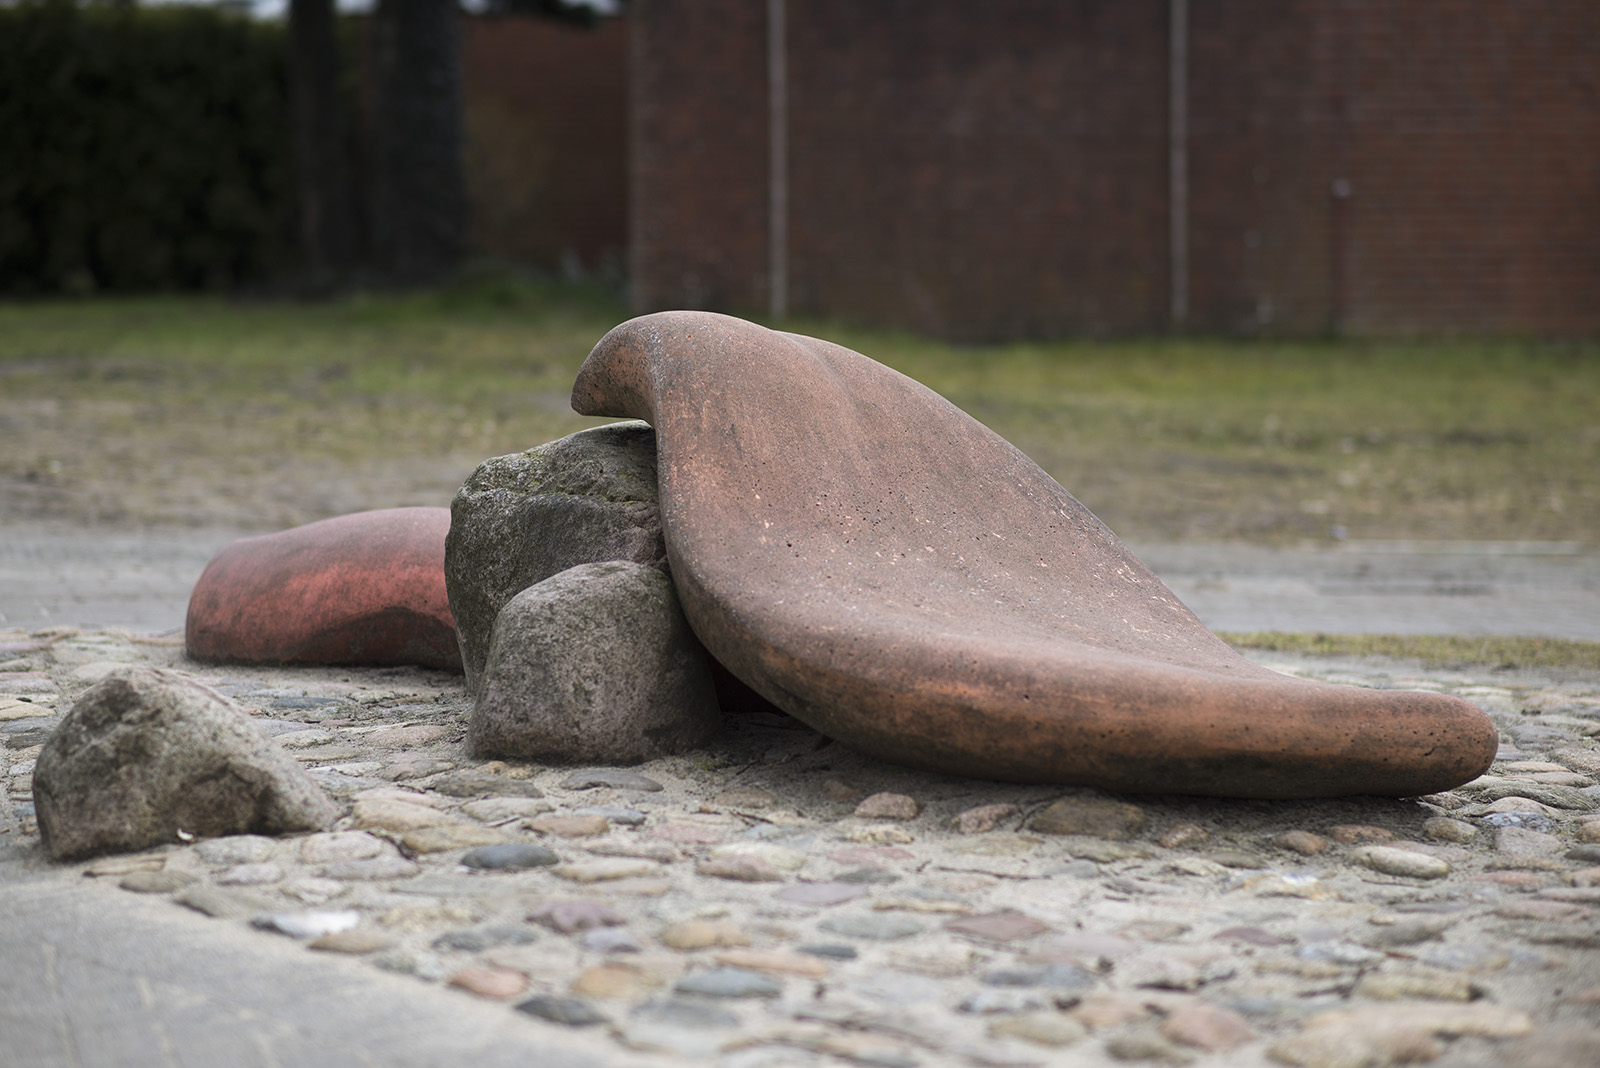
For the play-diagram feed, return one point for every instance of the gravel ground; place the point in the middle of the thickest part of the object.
(775, 899)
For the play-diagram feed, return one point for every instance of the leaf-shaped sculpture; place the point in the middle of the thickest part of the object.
(882, 566)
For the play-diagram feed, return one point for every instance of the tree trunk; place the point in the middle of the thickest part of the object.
(321, 152)
(419, 199)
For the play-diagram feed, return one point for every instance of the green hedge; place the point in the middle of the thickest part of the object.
(141, 148)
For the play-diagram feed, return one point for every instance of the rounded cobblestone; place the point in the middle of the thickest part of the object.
(794, 920)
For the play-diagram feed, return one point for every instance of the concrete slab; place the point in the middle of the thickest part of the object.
(95, 977)
(1532, 589)
(141, 579)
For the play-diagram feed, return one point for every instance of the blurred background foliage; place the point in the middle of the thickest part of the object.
(142, 148)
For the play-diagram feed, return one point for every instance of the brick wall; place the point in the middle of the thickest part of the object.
(1475, 166)
(546, 140)
(1258, 169)
(979, 170)
(999, 169)
(698, 130)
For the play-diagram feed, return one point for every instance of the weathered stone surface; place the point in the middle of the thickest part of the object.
(700, 934)
(498, 984)
(984, 818)
(147, 753)
(744, 869)
(889, 806)
(728, 982)
(1395, 1033)
(1206, 1026)
(1007, 925)
(471, 783)
(519, 519)
(1403, 862)
(442, 839)
(886, 569)
(1303, 842)
(366, 588)
(610, 779)
(155, 882)
(1096, 817)
(597, 665)
(511, 856)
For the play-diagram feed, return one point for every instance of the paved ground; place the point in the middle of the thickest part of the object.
(759, 903)
(63, 574)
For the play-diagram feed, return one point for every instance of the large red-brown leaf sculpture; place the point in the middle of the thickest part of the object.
(879, 564)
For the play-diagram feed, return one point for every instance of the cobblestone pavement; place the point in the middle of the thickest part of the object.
(775, 899)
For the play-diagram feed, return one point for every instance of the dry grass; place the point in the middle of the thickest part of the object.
(1432, 650)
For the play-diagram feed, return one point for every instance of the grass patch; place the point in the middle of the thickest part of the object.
(1432, 650)
(1284, 441)
(169, 409)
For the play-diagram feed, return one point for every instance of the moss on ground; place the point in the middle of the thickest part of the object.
(1432, 650)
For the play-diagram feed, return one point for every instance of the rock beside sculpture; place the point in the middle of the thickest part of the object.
(366, 588)
(593, 665)
(147, 756)
(521, 518)
(582, 499)
(877, 563)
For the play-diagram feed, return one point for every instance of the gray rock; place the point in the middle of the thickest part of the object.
(519, 519)
(1545, 793)
(596, 664)
(729, 983)
(511, 855)
(610, 940)
(624, 817)
(830, 951)
(610, 778)
(1054, 976)
(573, 1012)
(155, 882)
(1530, 821)
(874, 925)
(483, 784)
(147, 753)
(237, 849)
(984, 1002)
(680, 1013)
(371, 869)
(475, 940)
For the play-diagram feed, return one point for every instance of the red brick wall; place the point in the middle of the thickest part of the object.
(1475, 167)
(979, 170)
(698, 128)
(546, 140)
(1258, 178)
(999, 169)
